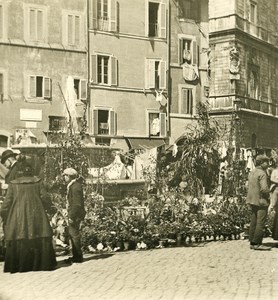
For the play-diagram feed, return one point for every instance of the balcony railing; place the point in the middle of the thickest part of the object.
(259, 105)
(226, 101)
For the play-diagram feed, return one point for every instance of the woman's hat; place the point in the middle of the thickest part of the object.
(7, 154)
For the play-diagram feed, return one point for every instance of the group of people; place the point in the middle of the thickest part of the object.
(262, 197)
(27, 231)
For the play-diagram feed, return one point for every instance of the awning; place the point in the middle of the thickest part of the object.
(145, 143)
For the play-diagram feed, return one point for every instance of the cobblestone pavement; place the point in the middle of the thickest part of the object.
(215, 270)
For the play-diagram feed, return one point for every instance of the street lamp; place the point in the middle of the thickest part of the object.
(237, 106)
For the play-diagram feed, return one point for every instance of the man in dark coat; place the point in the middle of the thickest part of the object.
(76, 212)
(258, 199)
(8, 159)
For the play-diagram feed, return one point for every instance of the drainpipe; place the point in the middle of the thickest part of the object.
(168, 62)
(88, 104)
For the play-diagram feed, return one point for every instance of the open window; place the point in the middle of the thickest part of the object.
(157, 124)
(104, 121)
(188, 51)
(80, 88)
(105, 15)
(40, 87)
(156, 18)
(104, 69)
(155, 77)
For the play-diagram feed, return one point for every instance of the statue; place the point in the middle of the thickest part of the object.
(234, 61)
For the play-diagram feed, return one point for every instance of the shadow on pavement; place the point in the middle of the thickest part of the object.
(271, 244)
(62, 264)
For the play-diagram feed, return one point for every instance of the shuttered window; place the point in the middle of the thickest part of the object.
(157, 124)
(155, 74)
(73, 30)
(36, 24)
(40, 87)
(186, 106)
(188, 51)
(156, 19)
(104, 122)
(104, 15)
(104, 69)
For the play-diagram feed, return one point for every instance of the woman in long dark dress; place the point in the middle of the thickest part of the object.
(27, 230)
(274, 200)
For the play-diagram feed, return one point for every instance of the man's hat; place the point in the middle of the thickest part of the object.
(261, 159)
(70, 172)
(7, 154)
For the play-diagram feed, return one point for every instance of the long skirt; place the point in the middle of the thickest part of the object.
(275, 225)
(29, 255)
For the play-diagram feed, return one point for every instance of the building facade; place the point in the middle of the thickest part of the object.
(243, 67)
(128, 50)
(189, 48)
(43, 59)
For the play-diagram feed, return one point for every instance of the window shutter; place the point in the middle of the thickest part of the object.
(1, 21)
(150, 74)
(77, 31)
(147, 18)
(163, 130)
(93, 14)
(162, 27)
(70, 29)
(183, 101)
(162, 77)
(95, 121)
(32, 24)
(190, 101)
(180, 51)
(1, 85)
(47, 88)
(112, 121)
(194, 53)
(32, 86)
(83, 89)
(94, 69)
(39, 25)
(113, 15)
(114, 70)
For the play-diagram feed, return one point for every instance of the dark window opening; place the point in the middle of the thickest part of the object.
(57, 123)
(103, 122)
(76, 87)
(156, 74)
(153, 19)
(39, 86)
(3, 141)
(103, 141)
